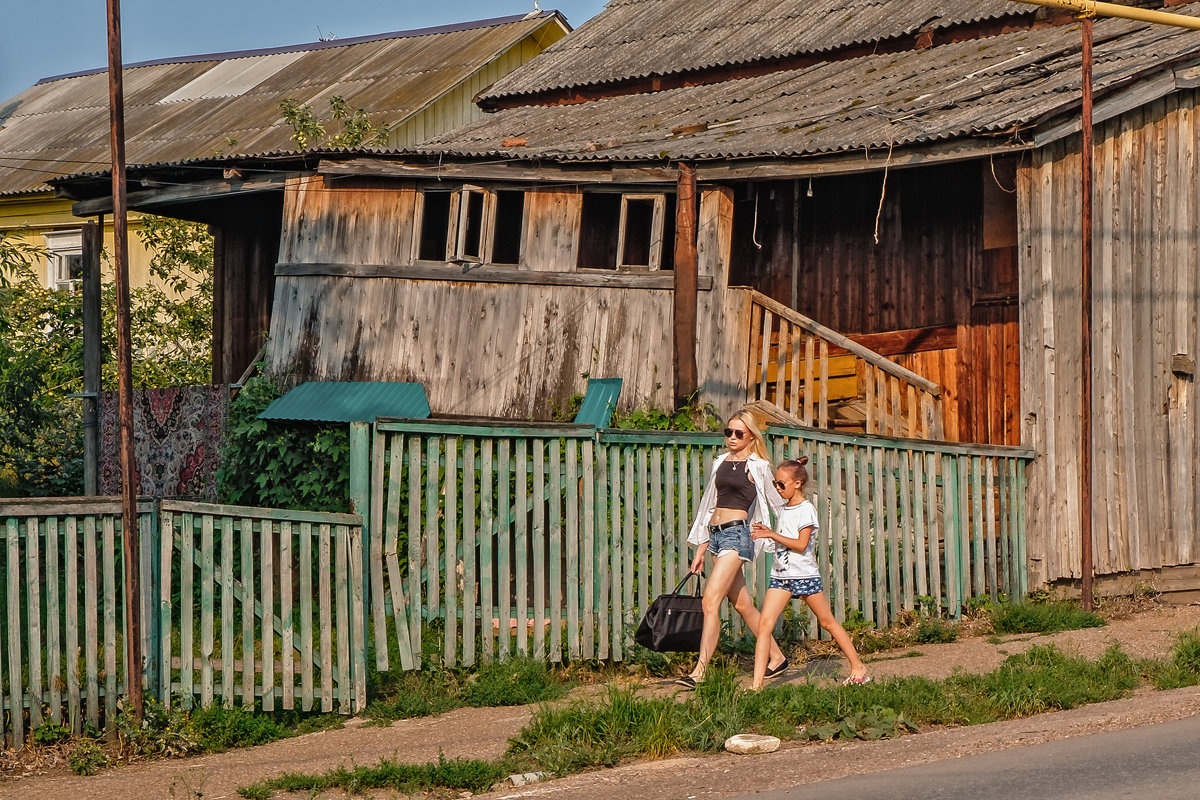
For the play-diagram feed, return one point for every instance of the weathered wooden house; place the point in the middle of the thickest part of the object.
(854, 215)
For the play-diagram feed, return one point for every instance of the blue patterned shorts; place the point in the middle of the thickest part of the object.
(799, 587)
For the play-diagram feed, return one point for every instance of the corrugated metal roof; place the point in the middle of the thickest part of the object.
(990, 86)
(349, 401)
(633, 39)
(184, 109)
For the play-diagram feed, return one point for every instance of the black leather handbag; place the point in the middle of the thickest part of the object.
(674, 621)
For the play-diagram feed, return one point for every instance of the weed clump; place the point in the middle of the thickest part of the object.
(1029, 617)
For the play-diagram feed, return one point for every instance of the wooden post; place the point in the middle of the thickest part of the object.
(93, 243)
(1085, 432)
(685, 285)
(129, 485)
(360, 503)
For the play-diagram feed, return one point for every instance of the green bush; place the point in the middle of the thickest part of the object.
(87, 758)
(297, 465)
(1029, 617)
(516, 682)
(935, 630)
(219, 728)
(471, 775)
(50, 733)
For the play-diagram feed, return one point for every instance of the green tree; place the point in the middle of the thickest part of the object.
(309, 132)
(41, 349)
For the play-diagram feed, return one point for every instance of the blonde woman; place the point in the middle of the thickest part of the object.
(739, 492)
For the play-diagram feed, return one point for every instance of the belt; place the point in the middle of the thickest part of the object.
(728, 524)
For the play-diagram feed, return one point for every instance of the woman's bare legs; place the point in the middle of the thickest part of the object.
(726, 581)
(819, 605)
(773, 605)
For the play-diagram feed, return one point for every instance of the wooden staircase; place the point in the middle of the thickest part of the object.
(800, 372)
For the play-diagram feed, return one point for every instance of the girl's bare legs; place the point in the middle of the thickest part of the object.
(773, 605)
(720, 580)
(819, 605)
(726, 581)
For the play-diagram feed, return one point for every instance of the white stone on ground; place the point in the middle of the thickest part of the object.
(750, 743)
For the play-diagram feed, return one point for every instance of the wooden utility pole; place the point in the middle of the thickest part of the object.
(686, 280)
(1085, 423)
(129, 484)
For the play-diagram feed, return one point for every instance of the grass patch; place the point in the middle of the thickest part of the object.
(519, 681)
(1183, 668)
(1030, 617)
(621, 725)
(470, 775)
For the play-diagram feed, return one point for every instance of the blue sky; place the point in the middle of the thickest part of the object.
(40, 38)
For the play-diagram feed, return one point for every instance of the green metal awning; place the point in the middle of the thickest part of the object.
(350, 401)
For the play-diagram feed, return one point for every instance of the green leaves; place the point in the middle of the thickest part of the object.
(871, 725)
(298, 465)
(308, 132)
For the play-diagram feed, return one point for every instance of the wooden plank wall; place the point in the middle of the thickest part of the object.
(1145, 341)
(246, 248)
(516, 350)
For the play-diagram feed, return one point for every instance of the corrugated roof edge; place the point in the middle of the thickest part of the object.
(293, 48)
(564, 85)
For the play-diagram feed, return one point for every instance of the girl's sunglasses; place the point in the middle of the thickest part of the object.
(730, 432)
(780, 485)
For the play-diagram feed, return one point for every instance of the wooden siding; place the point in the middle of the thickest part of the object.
(245, 250)
(518, 349)
(1145, 341)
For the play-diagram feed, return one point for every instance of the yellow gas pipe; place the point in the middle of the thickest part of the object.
(1092, 8)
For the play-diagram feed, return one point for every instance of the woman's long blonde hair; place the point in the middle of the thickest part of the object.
(759, 445)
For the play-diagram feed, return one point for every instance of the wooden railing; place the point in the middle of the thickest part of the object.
(800, 371)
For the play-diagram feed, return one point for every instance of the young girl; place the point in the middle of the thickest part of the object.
(795, 573)
(739, 492)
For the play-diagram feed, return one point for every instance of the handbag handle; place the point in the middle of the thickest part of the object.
(687, 578)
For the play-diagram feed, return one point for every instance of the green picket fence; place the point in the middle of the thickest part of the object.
(552, 539)
(547, 540)
(260, 606)
(62, 630)
(238, 605)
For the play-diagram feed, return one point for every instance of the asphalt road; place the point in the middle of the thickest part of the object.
(1157, 762)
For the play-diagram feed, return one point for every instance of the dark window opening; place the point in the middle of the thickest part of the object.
(510, 216)
(639, 240)
(435, 226)
(470, 243)
(668, 235)
(600, 220)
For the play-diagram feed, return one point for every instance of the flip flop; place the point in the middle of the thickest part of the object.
(773, 671)
(856, 680)
(687, 682)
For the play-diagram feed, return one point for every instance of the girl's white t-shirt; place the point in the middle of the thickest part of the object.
(790, 563)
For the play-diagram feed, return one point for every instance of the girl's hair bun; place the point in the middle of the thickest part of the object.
(802, 460)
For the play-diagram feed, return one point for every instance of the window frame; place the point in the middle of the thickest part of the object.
(458, 224)
(60, 246)
(657, 231)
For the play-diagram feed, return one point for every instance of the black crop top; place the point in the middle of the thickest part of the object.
(734, 489)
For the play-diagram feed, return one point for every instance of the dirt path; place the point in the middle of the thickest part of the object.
(484, 733)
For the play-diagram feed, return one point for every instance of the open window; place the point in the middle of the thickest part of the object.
(64, 259)
(627, 231)
(469, 225)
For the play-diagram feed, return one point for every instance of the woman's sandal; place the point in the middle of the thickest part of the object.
(773, 671)
(687, 682)
(856, 680)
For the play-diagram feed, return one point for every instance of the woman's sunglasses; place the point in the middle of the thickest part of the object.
(736, 434)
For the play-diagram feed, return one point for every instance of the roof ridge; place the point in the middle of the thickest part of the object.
(306, 46)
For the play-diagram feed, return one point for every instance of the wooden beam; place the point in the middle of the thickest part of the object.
(517, 170)
(491, 274)
(183, 193)
(685, 275)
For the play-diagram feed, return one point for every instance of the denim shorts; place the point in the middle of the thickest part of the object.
(734, 539)
(799, 587)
